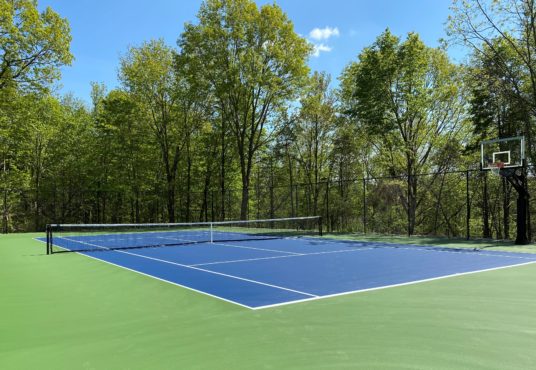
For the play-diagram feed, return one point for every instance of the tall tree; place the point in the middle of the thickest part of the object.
(410, 97)
(148, 73)
(502, 32)
(33, 45)
(315, 129)
(134, 150)
(254, 62)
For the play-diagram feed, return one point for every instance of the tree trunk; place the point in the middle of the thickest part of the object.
(291, 182)
(222, 171)
(412, 197)
(137, 206)
(245, 200)
(204, 208)
(246, 163)
(171, 199)
(188, 186)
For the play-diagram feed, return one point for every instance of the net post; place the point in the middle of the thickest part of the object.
(48, 238)
(320, 225)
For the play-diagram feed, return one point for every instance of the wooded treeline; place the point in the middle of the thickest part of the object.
(231, 123)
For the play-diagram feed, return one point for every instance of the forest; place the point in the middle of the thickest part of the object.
(231, 123)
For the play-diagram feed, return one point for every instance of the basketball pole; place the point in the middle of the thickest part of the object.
(505, 157)
(518, 179)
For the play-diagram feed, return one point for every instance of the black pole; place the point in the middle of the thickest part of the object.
(521, 237)
(468, 203)
(408, 200)
(48, 239)
(364, 205)
(517, 177)
(297, 197)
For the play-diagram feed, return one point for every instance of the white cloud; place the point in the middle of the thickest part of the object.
(323, 33)
(318, 48)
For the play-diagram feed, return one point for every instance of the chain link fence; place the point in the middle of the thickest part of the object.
(458, 204)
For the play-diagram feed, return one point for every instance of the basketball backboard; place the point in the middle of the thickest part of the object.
(503, 153)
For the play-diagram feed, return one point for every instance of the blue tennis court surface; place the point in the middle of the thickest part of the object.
(266, 273)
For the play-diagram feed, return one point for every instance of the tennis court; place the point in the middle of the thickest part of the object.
(261, 270)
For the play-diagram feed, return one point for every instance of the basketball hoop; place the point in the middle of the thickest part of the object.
(497, 167)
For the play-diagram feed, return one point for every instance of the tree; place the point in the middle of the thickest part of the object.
(502, 34)
(33, 45)
(315, 129)
(254, 62)
(409, 97)
(134, 150)
(148, 74)
(496, 111)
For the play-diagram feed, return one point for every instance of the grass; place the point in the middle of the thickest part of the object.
(67, 311)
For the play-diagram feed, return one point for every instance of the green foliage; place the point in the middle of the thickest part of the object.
(33, 45)
(232, 124)
(252, 62)
(502, 36)
(410, 98)
(407, 95)
(496, 109)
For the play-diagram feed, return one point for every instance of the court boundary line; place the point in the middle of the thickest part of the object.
(315, 298)
(392, 285)
(156, 277)
(423, 247)
(275, 257)
(200, 269)
(230, 245)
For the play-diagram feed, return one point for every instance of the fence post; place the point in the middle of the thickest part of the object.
(297, 201)
(212, 205)
(328, 218)
(468, 207)
(5, 220)
(408, 203)
(364, 205)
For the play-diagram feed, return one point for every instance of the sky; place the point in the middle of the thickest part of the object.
(102, 30)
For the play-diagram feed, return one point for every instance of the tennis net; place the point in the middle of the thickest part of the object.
(103, 237)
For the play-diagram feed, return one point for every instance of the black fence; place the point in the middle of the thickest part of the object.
(469, 204)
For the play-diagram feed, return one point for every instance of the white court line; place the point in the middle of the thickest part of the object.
(354, 248)
(413, 247)
(391, 286)
(274, 257)
(200, 269)
(230, 245)
(157, 278)
(313, 298)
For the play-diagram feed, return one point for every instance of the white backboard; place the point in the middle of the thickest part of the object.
(506, 153)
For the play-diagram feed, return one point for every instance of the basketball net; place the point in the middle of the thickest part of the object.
(497, 167)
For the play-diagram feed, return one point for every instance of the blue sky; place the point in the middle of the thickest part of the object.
(103, 30)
